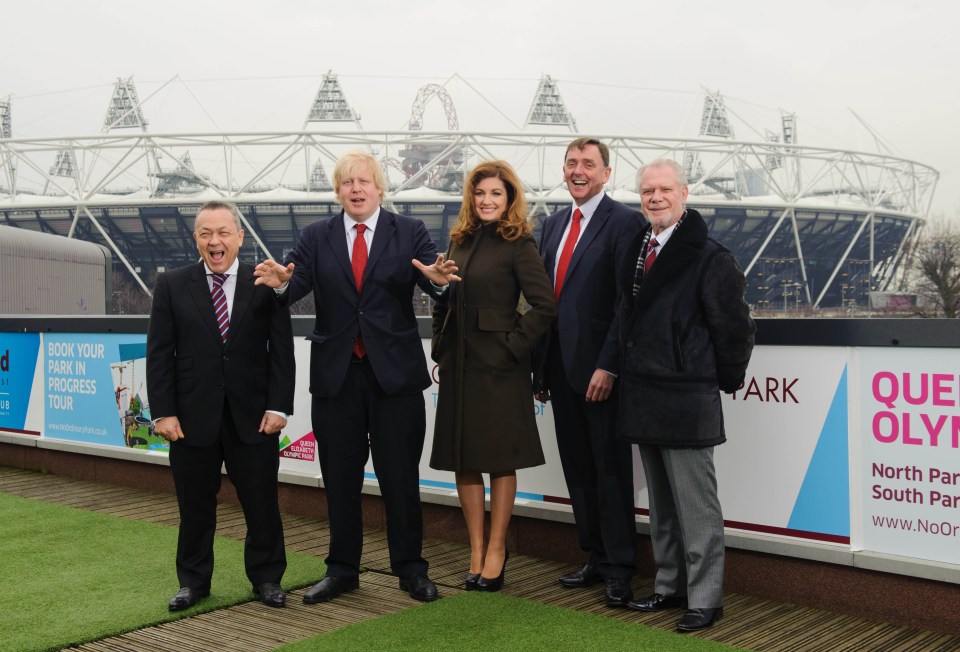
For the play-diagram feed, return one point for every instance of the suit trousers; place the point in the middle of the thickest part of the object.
(686, 523)
(362, 420)
(598, 470)
(252, 468)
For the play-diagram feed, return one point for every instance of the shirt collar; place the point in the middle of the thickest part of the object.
(664, 235)
(370, 222)
(588, 207)
(231, 271)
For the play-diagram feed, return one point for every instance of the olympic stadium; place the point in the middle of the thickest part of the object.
(813, 227)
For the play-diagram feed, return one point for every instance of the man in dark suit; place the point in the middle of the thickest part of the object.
(577, 365)
(671, 383)
(220, 378)
(367, 367)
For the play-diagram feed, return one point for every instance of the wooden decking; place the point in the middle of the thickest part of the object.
(750, 623)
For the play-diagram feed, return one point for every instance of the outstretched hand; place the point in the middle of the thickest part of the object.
(272, 274)
(442, 272)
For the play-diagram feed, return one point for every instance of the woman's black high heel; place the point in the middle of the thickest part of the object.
(471, 583)
(484, 584)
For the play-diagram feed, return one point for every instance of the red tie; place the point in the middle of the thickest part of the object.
(359, 263)
(650, 257)
(567, 252)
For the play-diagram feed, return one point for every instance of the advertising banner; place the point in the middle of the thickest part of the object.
(785, 466)
(95, 390)
(783, 471)
(21, 395)
(908, 498)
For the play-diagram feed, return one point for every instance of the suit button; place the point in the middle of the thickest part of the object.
(225, 358)
(629, 345)
(221, 386)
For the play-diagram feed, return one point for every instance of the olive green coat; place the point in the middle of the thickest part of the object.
(483, 345)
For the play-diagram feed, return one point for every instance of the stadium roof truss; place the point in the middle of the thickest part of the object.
(865, 208)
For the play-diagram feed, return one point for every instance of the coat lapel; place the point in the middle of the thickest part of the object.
(681, 251)
(594, 225)
(199, 291)
(386, 226)
(242, 295)
(551, 246)
(337, 242)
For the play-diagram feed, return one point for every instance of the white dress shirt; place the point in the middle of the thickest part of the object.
(587, 210)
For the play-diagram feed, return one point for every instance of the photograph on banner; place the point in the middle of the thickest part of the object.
(21, 391)
(784, 469)
(95, 390)
(909, 434)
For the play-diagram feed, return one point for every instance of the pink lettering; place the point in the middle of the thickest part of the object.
(942, 388)
(891, 433)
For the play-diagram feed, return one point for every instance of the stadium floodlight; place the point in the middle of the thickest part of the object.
(124, 110)
(330, 104)
(548, 107)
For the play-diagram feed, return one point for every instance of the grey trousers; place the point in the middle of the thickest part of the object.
(686, 523)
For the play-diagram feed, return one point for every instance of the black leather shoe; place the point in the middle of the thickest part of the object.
(419, 587)
(657, 602)
(471, 582)
(495, 584)
(696, 619)
(586, 576)
(186, 598)
(330, 587)
(271, 594)
(618, 592)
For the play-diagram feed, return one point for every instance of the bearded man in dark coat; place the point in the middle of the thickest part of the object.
(686, 335)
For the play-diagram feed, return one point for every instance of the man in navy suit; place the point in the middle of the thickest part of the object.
(220, 378)
(367, 367)
(577, 363)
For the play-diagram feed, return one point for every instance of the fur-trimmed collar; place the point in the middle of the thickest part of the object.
(682, 250)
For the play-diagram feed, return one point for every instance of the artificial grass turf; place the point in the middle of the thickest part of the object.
(493, 621)
(71, 576)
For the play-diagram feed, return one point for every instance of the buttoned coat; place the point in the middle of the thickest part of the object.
(590, 302)
(483, 345)
(382, 310)
(686, 336)
(191, 373)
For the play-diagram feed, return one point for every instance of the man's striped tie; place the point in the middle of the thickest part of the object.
(220, 305)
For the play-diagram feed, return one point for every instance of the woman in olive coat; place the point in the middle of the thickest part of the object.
(482, 344)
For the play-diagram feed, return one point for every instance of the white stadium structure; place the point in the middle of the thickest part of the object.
(813, 227)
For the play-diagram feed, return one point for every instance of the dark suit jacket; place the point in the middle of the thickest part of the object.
(382, 311)
(190, 373)
(589, 303)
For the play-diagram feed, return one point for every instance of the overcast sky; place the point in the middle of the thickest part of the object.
(627, 66)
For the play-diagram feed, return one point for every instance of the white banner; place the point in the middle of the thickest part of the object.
(908, 431)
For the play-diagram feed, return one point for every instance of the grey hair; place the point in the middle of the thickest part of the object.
(217, 204)
(663, 162)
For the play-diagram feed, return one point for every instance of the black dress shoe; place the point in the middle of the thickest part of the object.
(271, 594)
(618, 592)
(419, 587)
(658, 602)
(186, 598)
(586, 576)
(495, 584)
(471, 582)
(330, 587)
(696, 619)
